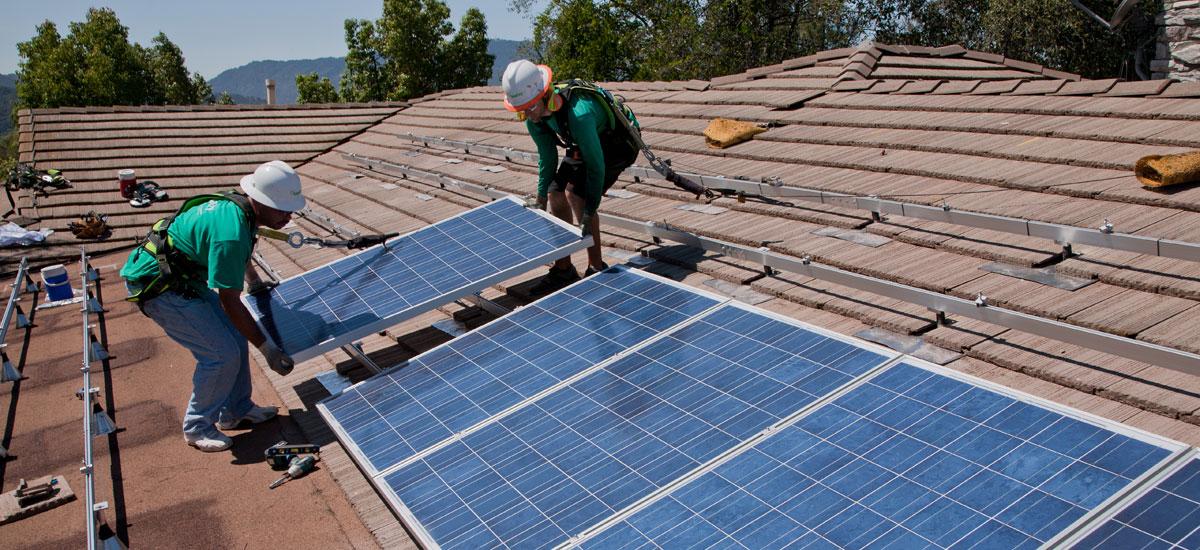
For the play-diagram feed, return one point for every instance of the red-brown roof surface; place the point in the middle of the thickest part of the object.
(935, 126)
(186, 149)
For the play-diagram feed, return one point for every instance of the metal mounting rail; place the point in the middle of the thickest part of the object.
(11, 306)
(946, 305)
(942, 304)
(1105, 236)
(87, 394)
(445, 182)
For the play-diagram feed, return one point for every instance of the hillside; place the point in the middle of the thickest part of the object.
(248, 80)
(8, 96)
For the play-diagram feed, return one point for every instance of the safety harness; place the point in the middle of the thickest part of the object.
(175, 269)
(615, 104)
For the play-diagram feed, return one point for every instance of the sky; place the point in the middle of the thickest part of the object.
(221, 34)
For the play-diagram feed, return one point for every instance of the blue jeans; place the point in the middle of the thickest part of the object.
(221, 383)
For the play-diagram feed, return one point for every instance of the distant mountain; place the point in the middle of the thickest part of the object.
(8, 96)
(506, 51)
(249, 81)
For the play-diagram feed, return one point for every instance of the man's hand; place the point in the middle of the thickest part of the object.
(276, 359)
(585, 224)
(259, 285)
(536, 202)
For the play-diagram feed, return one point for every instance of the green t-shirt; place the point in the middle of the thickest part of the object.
(214, 235)
(587, 117)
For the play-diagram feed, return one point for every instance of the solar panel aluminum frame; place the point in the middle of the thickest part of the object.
(1139, 485)
(1089, 523)
(407, 518)
(475, 286)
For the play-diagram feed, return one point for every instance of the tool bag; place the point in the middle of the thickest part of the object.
(175, 269)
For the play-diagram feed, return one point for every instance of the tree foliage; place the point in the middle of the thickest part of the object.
(414, 50)
(681, 39)
(95, 64)
(311, 88)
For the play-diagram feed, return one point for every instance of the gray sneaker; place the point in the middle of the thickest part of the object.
(209, 442)
(256, 415)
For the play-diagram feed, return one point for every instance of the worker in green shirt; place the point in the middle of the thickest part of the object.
(597, 150)
(207, 245)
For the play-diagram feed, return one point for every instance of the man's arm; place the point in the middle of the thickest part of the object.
(547, 151)
(231, 302)
(583, 130)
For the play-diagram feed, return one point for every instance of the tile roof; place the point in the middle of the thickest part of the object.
(186, 149)
(933, 126)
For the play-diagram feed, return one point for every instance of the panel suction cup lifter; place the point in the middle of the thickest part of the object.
(297, 239)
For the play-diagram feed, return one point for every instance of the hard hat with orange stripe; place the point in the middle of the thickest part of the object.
(524, 84)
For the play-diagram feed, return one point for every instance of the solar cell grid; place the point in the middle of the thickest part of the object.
(393, 416)
(911, 459)
(368, 291)
(579, 455)
(1167, 516)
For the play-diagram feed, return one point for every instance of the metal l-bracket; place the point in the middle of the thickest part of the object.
(355, 352)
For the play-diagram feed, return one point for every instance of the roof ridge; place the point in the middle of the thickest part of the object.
(209, 107)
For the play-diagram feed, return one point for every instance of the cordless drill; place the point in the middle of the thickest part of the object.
(300, 465)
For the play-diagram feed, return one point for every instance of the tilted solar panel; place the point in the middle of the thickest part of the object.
(367, 292)
(575, 457)
(392, 416)
(1166, 516)
(910, 459)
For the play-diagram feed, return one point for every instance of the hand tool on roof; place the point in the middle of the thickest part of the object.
(297, 239)
(299, 466)
(280, 455)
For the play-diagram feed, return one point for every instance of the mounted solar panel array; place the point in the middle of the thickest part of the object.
(609, 415)
(354, 296)
(1166, 515)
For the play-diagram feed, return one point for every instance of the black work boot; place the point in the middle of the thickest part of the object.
(555, 279)
(591, 271)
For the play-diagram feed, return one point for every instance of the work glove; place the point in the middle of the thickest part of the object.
(535, 202)
(260, 285)
(585, 224)
(276, 358)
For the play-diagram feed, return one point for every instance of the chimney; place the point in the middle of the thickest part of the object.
(1178, 51)
(270, 92)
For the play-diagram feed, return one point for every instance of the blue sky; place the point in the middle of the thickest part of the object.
(220, 34)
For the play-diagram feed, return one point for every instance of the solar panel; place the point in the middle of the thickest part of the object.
(354, 296)
(579, 455)
(910, 459)
(1166, 516)
(392, 416)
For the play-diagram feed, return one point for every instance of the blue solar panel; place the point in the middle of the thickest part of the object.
(1168, 516)
(392, 416)
(911, 459)
(581, 454)
(369, 291)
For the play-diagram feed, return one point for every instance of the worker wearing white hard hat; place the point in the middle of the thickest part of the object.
(575, 115)
(207, 245)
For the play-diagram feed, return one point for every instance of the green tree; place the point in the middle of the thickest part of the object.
(225, 99)
(409, 52)
(172, 84)
(585, 39)
(363, 79)
(95, 64)
(311, 88)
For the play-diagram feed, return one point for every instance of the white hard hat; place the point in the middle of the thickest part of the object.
(524, 83)
(275, 184)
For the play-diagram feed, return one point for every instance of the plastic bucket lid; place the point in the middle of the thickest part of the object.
(54, 274)
(126, 174)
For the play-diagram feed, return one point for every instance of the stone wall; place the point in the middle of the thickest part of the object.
(1178, 53)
